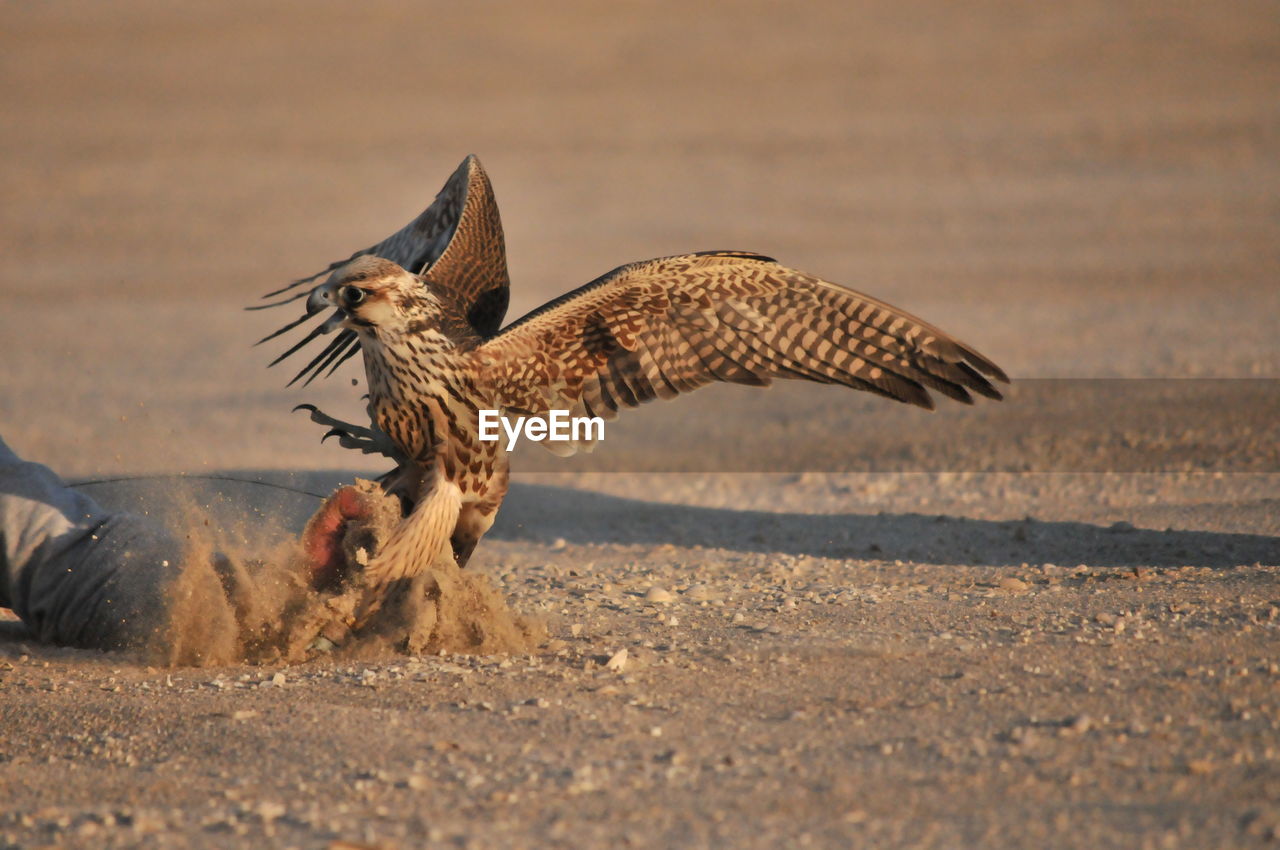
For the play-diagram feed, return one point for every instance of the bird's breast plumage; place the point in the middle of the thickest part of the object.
(425, 399)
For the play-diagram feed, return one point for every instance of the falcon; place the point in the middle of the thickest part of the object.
(434, 356)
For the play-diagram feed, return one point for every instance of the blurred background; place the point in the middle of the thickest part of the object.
(1080, 189)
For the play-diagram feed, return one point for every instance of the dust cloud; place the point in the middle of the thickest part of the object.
(230, 607)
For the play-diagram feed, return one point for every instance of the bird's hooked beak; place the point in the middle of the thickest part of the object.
(347, 297)
(322, 297)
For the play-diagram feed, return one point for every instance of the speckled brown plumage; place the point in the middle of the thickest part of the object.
(646, 330)
(658, 328)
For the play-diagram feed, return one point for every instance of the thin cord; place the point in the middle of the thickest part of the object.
(92, 481)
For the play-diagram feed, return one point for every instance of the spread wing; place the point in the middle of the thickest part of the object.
(457, 240)
(659, 328)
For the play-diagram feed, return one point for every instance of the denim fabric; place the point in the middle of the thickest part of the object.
(75, 573)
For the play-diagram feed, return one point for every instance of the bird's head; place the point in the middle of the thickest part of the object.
(377, 297)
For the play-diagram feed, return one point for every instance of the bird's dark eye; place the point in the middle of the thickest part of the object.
(352, 295)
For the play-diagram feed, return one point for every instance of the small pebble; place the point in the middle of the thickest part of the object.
(698, 593)
(618, 661)
(658, 594)
(269, 811)
(1080, 724)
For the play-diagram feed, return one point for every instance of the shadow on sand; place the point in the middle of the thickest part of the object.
(276, 503)
(544, 513)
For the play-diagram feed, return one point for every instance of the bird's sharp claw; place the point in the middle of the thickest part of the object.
(366, 440)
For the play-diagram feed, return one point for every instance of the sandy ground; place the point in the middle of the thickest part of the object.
(992, 638)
